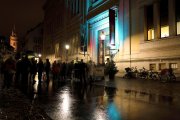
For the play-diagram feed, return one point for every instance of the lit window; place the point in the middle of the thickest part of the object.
(150, 34)
(164, 31)
(177, 2)
(150, 23)
(173, 65)
(178, 28)
(164, 18)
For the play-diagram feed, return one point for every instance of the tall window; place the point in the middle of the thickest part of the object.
(150, 25)
(177, 3)
(78, 6)
(93, 1)
(164, 18)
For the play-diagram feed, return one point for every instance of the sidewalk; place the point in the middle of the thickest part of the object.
(16, 106)
(148, 86)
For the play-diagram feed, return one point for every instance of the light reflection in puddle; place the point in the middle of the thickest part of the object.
(65, 104)
(74, 102)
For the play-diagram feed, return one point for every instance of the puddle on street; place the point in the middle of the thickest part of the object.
(72, 101)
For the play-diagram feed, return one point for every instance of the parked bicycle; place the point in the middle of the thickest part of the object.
(153, 75)
(130, 72)
(167, 75)
(143, 73)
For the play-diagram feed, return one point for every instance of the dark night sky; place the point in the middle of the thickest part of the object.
(25, 14)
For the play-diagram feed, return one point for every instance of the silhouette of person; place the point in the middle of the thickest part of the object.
(9, 70)
(47, 70)
(40, 68)
(33, 69)
(25, 69)
(82, 67)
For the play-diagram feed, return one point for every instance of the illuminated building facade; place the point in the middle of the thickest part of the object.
(62, 22)
(145, 33)
(14, 40)
(142, 33)
(34, 39)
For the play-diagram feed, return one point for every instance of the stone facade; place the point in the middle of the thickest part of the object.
(34, 39)
(134, 47)
(146, 32)
(62, 22)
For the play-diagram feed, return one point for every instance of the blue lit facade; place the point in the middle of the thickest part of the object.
(99, 20)
(146, 33)
(141, 35)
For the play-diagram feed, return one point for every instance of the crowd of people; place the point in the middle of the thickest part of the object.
(78, 69)
(24, 70)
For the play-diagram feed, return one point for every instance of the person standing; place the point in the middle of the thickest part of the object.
(18, 71)
(90, 71)
(9, 70)
(83, 68)
(25, 69)
(47, 69)
(33, 69)
(40, 68)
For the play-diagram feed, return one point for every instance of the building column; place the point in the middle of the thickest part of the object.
(145, 24)
(156, 17)
(172, 18)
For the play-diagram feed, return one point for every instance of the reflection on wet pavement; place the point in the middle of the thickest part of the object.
(69, 100)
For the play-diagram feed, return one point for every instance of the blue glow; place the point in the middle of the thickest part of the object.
(113, 112)
(100, 22)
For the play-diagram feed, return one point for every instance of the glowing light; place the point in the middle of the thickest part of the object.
(66, 102)
(64, 106)
(103, 36)
(67, 47)
(39, 55)
(99, 114)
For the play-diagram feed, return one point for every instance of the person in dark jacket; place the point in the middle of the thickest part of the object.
(18, 71)
(47, 69)
(40, 69)
(33, 69)
(82, 68)
(25, 69)
(9, 70)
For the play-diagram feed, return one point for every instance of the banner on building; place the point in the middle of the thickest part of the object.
(83, 38)
(112, 26)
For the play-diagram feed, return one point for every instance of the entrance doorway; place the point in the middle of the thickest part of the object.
(103, 46)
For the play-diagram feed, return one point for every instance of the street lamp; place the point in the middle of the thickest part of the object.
(39, 55)
(102, 38)
(67, 48)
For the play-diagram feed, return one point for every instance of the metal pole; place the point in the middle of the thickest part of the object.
(67, 55)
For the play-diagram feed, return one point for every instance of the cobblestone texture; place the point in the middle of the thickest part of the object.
(14, 105)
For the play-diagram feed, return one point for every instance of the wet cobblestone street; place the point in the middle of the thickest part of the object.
(14, 105)
(120, 99)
